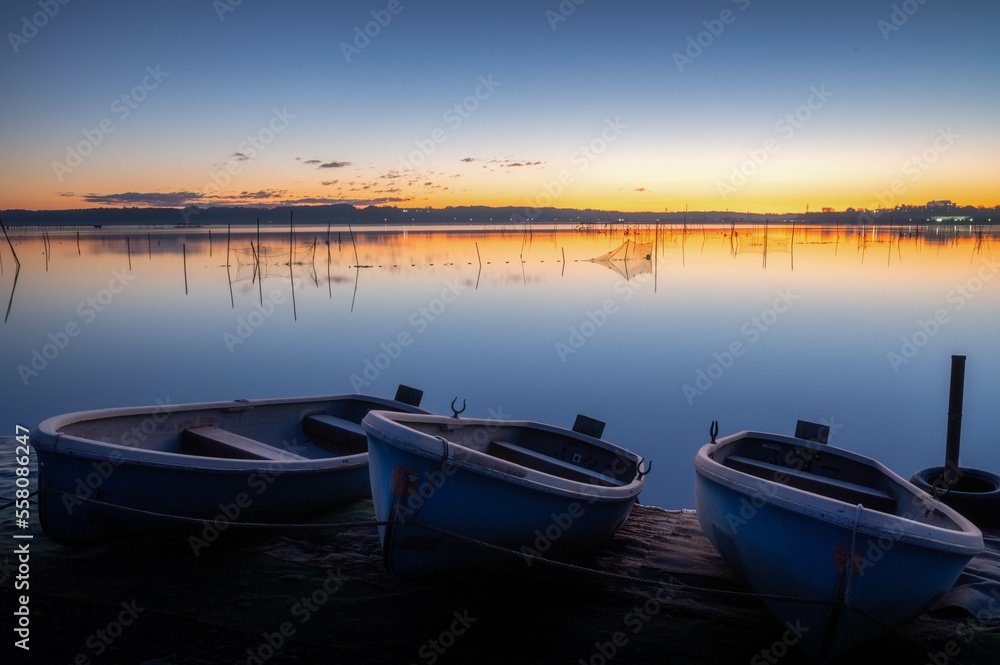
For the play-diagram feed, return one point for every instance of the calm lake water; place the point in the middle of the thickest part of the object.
(755, 329)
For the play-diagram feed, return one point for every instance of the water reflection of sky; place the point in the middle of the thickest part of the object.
(495, 328)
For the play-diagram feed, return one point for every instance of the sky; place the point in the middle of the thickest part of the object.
(633, 106)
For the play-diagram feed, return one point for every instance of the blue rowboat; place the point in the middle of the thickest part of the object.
(524, 486)
(790, 514)
(248, 460)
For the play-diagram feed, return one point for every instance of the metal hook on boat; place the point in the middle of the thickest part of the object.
(713, 430)
(649, 467)
(454, 412)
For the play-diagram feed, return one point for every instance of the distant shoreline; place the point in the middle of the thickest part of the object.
(506, 217)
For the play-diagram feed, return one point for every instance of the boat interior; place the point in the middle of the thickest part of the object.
(280, 432)
(822, 471)
(561, 455)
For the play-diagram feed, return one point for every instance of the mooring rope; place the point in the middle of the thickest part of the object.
(526, 557)
(850, 555)
(11, 502)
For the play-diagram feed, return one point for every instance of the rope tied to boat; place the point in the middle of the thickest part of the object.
(850, 563)
(434, 480)
(672, 583)
(11, 502)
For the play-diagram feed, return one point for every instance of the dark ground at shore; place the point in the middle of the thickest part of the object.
(219, 607)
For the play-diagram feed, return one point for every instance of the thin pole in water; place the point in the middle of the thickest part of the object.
(149, 245)
(184, 252)
(260, 275)
(357, 261)
(291, 243)
(210, 242)
(78, 243)
(128, 248)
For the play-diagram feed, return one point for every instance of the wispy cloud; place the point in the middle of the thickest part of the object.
(358, 202)
(327, 183)
(168, 199)
(333, 165)
(261, 194)
(240, 157)
(639, 189)
(310, 161)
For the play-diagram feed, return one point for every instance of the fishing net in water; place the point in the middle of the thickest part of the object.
(628, 259)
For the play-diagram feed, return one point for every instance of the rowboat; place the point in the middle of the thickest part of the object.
(806, 520)
(101, 473)
(525, 486)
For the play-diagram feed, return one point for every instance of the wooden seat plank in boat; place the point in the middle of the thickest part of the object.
(840, 490)
(346, 436)
(217, 442)
(533, 460)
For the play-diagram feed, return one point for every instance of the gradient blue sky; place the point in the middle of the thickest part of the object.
(684, 131)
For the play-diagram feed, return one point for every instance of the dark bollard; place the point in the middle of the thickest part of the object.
(955, 399)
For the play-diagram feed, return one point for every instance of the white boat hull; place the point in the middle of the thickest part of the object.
(794, 543)
(477, 496)
(103, 473)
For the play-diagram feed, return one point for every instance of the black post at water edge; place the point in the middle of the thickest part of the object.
(955, 398)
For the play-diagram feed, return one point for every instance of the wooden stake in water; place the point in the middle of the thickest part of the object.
(78, 243)
(260, 275)
(956, 396)
(210, 242)
(291, 244)
(357, 262)
(184, 251)
(229, 230)
(128, 249)
(149, 245)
